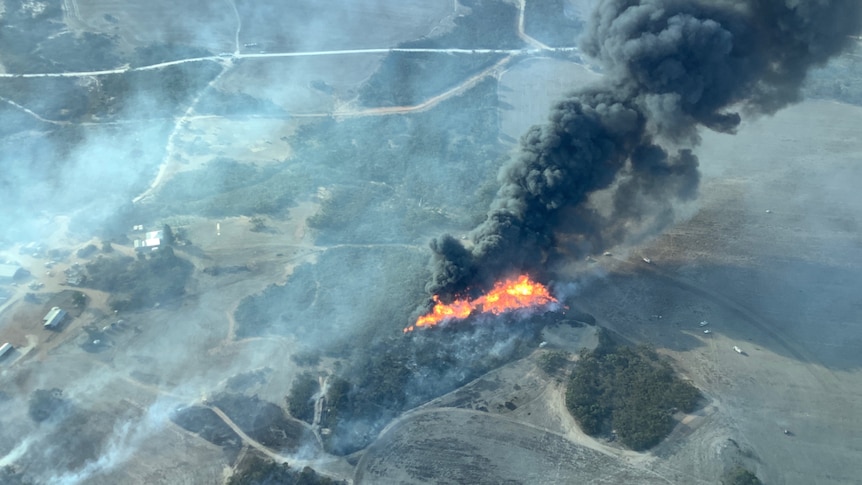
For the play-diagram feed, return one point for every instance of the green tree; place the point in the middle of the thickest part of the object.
(551, 362)
(168, 238)
(740, 476)
(258, 223)
(630, 390)
(300, 402)
(44, 403)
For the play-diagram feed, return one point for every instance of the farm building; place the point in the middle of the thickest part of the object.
(152, 239)
(5, 349)
(54, 318)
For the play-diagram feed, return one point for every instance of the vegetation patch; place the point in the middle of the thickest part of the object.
(630, 390)
(263, 421)
(225, 187)
(439, 164)
(300, 400)
(553, 362)
(399, 373)
(208, 425)
(740, 476)
(44, 403)
(317, 305)
(257, 470)
(154, 277)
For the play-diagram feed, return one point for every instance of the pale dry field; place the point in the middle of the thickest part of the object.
(211, 25)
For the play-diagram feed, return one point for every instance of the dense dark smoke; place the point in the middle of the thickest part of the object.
(672, 66)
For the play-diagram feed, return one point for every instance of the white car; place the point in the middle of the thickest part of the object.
(703, 323)
(646, 260)
(737, 349)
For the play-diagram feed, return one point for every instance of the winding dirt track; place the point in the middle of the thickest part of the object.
(326, 465)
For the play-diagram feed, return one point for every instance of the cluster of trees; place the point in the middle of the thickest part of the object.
(300, 402)
(255, 470)
(44, 403)
(23, 29)
(263, 421)
(630, 390)
(440, 164)
(402, 372)
(154, 277)
(553, 362)
(740, 476)
(208, 425)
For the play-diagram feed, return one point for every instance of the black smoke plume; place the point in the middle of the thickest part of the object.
(671, 67)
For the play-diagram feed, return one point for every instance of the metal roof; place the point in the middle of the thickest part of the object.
(9, 270)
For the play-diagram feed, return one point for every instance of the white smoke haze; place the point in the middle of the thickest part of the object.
(303, 192)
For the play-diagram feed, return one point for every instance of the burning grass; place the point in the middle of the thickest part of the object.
(506, 296)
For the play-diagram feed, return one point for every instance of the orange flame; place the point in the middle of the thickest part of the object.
(506, 296)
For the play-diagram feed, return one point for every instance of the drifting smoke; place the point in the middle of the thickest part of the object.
(672, 66)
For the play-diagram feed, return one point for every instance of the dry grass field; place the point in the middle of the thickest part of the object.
(341, 24)
(211, 25)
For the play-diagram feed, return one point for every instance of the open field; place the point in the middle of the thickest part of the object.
(307, 26)
(211, 25)
(770, 260)
(461, 446)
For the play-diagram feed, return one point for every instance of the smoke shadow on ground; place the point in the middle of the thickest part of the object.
(797, 309)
